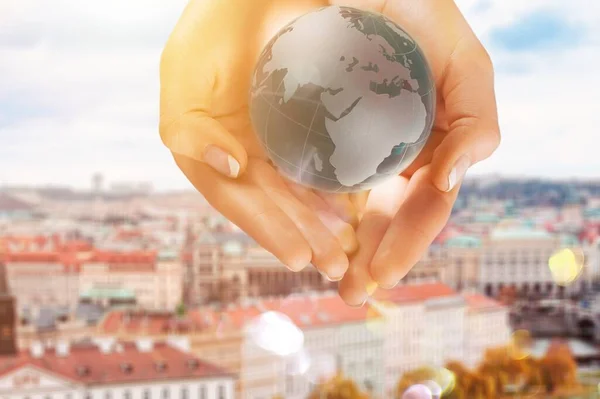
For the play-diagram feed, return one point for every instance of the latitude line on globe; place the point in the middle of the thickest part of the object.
(296, 166)
(292, 120)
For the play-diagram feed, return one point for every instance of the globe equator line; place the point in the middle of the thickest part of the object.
(259, 93)
(292, 120)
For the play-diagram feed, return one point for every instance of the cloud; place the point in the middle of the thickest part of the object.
(546, 89)
(541, 30)
(79, 89)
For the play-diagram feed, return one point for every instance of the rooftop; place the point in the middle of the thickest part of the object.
(414, 293)
(479, 303)
(126, 363)
(519, 234)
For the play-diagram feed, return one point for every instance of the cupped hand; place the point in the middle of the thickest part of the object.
(206, 70)
(404, 215)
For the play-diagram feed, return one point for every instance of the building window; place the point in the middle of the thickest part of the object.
(127, 395)
(68, 396)
(184, 393)
(147, 394)
(221, 392)
(165, 393)
(88, 396)
(107, 395)
(202, 392)
(48, 397)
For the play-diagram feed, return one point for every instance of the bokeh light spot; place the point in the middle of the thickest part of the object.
(520, 344)
(419, 391)
(297, 363)
(566, 265)
(276, 333)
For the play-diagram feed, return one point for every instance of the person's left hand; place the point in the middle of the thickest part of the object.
(404, 215)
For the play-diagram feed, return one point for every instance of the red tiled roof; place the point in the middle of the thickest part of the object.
(151, 323)
(114, 257)
(478, 302)
(304, 311)
(308, 312)
(414, 293)
(107, 368)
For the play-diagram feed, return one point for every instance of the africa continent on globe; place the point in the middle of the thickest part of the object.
(342, 99)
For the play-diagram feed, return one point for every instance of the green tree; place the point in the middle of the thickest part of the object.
(181, 310)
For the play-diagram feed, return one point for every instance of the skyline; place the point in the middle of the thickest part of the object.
(71, 105)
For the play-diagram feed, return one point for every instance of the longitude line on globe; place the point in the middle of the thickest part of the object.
(267, 120)
(341, 52)
(306, 141)
(391, 32)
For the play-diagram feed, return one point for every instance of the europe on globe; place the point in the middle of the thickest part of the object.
(342, 99)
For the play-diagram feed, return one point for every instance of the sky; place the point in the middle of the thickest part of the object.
(79, 89)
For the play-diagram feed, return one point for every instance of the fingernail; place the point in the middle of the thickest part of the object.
(458, 171)
(359, 305)
(331, 279)
(389, 287)
(221, 161)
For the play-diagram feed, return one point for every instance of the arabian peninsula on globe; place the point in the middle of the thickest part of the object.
(342, 99)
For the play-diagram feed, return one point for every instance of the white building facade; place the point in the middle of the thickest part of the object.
(123, 371)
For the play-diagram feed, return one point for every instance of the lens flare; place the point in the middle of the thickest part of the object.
(323, 367)
(297, 363)
(374, 320)
(566, 265)
(520, 345)
(276, 333)
(419, 391)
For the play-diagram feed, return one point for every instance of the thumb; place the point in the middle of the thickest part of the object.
(200, 137)
(470, 106)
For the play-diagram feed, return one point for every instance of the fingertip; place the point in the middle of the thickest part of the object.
(351, 292)
(385, 274)
(299, 259)
(335, 266)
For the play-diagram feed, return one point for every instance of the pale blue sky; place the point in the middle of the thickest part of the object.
(79, 88)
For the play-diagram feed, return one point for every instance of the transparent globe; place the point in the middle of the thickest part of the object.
(342, 99)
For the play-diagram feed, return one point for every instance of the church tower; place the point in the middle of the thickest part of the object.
(8, 333)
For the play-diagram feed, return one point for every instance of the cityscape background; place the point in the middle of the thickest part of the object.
(119, 281)
(130, 285)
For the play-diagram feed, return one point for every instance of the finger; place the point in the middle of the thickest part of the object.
(341, 230)
(470, 102)
(328, 256)
(249, 207)
(384, 201)
(422, 215)
(359, 200)
(341, 205)
(186, 125)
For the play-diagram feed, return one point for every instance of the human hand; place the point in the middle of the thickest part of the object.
(404, 215)
(206, 70)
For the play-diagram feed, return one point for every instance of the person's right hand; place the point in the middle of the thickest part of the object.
(206, 70)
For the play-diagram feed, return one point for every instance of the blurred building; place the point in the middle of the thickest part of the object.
(430, 324)
(402, 329)
(129, 370)
(139, 277)
(486, 326)
(54, 273)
